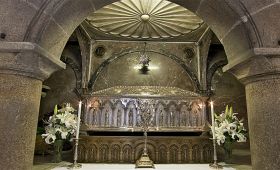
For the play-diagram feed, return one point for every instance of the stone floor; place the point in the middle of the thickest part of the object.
(241, 161)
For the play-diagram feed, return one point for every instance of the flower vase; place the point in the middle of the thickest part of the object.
(228, 152)
(58, 145)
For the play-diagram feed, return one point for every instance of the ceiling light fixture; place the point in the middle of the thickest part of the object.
(144, 60)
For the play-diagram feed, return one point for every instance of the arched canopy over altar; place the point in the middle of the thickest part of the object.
(115, 81)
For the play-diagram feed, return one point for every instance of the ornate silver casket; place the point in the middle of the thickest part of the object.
(115, 109)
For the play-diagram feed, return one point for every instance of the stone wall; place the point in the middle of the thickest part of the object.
(229, 91)
(62, 84)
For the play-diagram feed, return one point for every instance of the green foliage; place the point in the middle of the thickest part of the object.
(40, 130)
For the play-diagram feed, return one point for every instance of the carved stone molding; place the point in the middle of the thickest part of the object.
(127, 149)
(28, 59)
(265, 64)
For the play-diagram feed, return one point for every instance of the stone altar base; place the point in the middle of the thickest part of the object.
(161, 149)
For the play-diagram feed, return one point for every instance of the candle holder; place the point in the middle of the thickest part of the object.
(75, 165)
(146, 116)
(214, 165)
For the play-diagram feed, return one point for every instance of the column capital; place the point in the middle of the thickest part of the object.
(263, 65)
(27, 59)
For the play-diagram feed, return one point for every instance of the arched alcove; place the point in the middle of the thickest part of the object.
(125, 71)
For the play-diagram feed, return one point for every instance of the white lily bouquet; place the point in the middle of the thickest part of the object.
(229, 129)
(62, 125)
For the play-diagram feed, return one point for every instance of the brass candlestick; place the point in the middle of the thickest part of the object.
(146, 111)
(75, 165)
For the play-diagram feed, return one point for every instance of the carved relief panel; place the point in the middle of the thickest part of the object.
(123, 114)
(127, 149)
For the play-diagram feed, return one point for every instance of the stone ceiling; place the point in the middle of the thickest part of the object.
(144, 19)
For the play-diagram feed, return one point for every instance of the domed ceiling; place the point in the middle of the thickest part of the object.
(145, 19)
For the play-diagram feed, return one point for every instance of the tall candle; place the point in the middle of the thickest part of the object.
(213, 130)
(79, 120)
(213, 119)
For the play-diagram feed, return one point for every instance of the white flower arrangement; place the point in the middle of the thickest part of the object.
(228, 128)
(62, 125)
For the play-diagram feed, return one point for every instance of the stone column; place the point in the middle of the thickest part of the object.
(263, 105)
(19, 108)
(261, 76)
(23, 67)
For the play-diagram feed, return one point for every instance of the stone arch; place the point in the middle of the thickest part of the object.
(189, 71)
(52, 31)
(173, 153)
(150, 149)
(185, 153)
(56, 20)
(227, 22)
(127, 155)
(207, 153)
(103, 153)
(116, 153)
(196, 154)
(92, 153)
(162, 154)
(82, 153)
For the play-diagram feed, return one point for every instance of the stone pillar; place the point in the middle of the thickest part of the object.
(19, 108)
(23, 67)
(261, 76)
(263, 105)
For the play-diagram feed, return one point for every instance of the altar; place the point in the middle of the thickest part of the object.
(112, 132)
